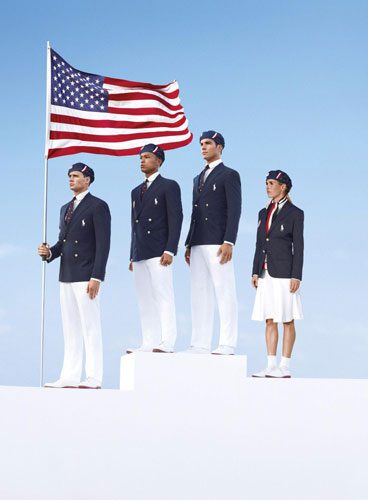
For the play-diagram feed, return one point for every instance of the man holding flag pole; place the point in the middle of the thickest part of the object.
(89, 113)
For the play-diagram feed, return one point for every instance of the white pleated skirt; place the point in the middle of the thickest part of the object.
(274, 300)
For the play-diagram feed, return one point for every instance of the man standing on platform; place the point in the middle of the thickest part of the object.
(156, 224)
(212, 235)
(83, 247)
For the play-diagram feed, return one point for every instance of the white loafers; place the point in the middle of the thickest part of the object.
(62, 384)
(224, 350)
(90, 383)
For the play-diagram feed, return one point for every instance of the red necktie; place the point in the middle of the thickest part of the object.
(201, 179)
(144, 188)
(70, 210)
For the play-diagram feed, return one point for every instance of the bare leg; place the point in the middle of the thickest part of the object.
(272, 337)
(289, 339)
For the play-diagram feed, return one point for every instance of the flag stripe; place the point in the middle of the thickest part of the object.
(73, 120)
(53, 153)
(112, 138)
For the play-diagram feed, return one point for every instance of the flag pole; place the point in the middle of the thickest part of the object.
(44, 238)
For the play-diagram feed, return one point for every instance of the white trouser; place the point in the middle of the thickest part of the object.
(207, 273)
(81, 321)
(155, 295)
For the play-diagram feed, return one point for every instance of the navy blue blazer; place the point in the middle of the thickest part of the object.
(156, 219)
(284, 244)
(216, 209)
(84, 243)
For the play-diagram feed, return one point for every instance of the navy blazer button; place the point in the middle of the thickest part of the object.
(206, 204)
(61, 254)
(137, 220)
(267, 239)
(148, 232)
(64, 241)
(149, 220)
(196, 205)
(76, 241)
(75, 255)
(206, 218)
(264, 251)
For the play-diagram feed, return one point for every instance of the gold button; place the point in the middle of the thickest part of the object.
(206, 218)
(61, 254)
(206, 204)
(196, 205)
(148, 232)
(64, 241)
(264, 251)
(137, 220)
(267, 239)
(76, 241)
(149, 220)
(75, 255)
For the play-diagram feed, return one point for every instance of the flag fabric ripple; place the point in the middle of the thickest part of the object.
(101, 115)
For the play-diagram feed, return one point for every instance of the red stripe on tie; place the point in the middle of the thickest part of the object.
(269, 218)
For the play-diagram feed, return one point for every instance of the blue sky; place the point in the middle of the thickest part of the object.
(285, 83)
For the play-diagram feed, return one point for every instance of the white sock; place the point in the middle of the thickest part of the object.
(271, 361)
(285, 362)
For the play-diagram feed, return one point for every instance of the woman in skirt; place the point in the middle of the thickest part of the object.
(277, 271)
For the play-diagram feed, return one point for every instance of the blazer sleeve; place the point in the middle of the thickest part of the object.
(233, 200)
(298, 245)
(102, 225)
(56, 249)
(174, 216)
(258, 251)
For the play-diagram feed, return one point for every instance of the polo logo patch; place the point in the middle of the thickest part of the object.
(83, 223)
(156, 201)
(282, 227)
(214, 187)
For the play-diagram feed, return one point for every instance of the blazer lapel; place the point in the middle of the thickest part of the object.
(211, 179)
(150, 193)
(78, 212)
(281, 216)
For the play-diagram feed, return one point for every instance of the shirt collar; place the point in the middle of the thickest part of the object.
(80, 196)
(214, 164)
(152, 177)
(280, 203)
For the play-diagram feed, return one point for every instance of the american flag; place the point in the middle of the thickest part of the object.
(101, 115)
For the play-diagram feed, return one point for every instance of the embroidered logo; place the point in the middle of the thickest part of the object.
(83, 223)
(282, 227)
(214, 187)
(156, 202)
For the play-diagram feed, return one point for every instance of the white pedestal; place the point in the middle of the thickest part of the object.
(147, 371)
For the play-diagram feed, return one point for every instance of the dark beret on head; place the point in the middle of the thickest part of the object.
(85, 169)
(156, 150)
(215, 136)
(280, 176)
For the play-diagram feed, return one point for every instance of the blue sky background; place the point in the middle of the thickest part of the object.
(286, 84)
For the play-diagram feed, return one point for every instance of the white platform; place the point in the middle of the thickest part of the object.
(171, 372)
(292, 439)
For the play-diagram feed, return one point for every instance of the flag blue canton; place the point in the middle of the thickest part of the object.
(75, 89)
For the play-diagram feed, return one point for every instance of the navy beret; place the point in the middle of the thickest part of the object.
(280, 176)
(85, 169)
(156, 150)
(215, 136)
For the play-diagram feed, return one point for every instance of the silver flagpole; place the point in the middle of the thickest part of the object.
(44, 239)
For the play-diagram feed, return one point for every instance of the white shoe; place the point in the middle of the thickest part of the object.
(139, 349)
(265, 372)
(280, 372)
(224, 349)
(196, 350)
(62, 384)
(90, 383)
